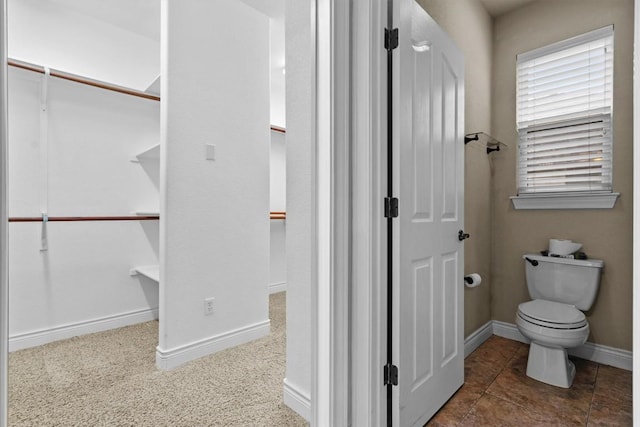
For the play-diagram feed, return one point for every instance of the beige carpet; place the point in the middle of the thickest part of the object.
(110, 379)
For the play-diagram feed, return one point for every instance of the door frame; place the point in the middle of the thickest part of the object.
(4, 256)
(636, 213)
(348, 295)
(368, 315)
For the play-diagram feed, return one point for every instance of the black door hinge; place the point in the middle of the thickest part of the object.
(390, 374)
(390, 207)
(390, 39)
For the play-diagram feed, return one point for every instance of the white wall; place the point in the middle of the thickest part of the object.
(278, 111)
(278, 172)
(82, 283)
(274, 9)
(214, 229)
(278, 197)
(47, 33)
(300, 200)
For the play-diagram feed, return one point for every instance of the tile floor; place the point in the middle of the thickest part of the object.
(497, 392)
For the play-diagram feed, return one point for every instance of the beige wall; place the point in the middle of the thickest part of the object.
(606, 234)
(470, 26)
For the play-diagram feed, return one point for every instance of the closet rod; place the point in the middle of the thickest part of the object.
(277, 215)
(82, 80)
(278, 129)
(272, 215)
(86, 218)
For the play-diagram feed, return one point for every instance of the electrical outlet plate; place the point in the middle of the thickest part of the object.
(209, 306)
(210, 151)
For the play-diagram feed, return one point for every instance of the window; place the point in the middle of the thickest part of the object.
(564, 120)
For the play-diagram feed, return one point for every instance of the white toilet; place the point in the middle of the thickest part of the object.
(561, 289)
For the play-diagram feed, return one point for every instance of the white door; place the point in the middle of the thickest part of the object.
(429, 177)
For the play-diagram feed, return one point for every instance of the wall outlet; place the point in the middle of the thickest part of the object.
(210, 151)
(209, 306)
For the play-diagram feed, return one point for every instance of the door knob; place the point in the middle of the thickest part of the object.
(462, 235)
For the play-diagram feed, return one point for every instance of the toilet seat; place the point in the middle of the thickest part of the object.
(551, 314)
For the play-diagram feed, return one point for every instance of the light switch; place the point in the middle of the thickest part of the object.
(210, 151)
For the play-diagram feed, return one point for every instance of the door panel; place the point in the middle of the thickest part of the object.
(422, 295)
(423, 156)
(428, 139)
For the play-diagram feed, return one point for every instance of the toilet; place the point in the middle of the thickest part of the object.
(561, 289)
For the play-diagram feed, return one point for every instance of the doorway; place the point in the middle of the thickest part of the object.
(160, 297)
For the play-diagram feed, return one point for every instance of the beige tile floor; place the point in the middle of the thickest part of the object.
(497, 392)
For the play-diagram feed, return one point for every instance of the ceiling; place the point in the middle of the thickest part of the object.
(138, 16)
(499, 7)
(143, 16)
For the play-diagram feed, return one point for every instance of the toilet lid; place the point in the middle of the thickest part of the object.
(552, 314)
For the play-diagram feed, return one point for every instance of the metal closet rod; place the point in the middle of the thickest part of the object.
(277, 215)
(86, 218)
(82, 80)
(272, 215)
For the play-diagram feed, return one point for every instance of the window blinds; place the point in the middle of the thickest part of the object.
(564, 113)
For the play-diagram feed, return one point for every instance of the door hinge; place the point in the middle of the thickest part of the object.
(390, 207)
(390, 374)
(390, 39)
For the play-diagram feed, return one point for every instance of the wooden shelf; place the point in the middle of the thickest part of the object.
(150, 271)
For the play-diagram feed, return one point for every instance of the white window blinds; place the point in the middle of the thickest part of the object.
(564, 112)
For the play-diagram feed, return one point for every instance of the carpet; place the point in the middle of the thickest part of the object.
(110, 379)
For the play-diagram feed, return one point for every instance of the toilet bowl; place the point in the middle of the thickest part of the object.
(554, 320)
(552, 328)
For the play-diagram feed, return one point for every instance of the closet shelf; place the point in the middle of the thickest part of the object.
(154, 87)
(484, 140)
(152, 153)
(150, 271)
(147, 213)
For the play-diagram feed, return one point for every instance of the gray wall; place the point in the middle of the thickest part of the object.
(606, 234)
(500, 234)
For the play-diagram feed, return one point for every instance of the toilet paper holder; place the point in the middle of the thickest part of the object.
(472, 280)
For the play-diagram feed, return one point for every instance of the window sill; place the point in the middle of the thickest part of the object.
(565, 201)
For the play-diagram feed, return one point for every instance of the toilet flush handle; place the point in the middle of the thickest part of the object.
(532, 261)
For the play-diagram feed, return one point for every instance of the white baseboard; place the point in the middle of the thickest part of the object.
(274, 288)
(599, 353)
(298, 401)
(604, 355)
(476, 339)
(508, 330)
(172, 358)
(45, 336)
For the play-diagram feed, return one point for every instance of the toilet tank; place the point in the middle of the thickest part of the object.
(568, 281)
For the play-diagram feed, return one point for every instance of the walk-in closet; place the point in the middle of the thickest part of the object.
(147, 207)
